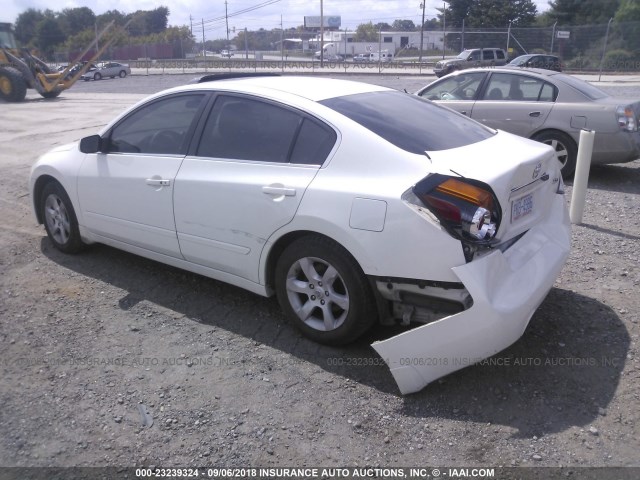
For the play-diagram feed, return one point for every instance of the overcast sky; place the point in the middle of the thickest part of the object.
(292, 12)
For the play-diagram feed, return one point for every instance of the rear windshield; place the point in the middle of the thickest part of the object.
(410, 122)
(594, 93)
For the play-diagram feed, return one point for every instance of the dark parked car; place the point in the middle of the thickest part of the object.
(548, 62)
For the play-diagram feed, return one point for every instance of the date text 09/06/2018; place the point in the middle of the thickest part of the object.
(279, 472)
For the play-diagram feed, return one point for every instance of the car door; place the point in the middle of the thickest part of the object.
(245, 180)
(516, 103)
(457, 92)
(126, 191)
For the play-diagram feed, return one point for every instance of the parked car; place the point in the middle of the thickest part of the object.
(352, 203)
(226, 53)
(107, 69)
(547, 106)
(361, 58)
(548, 62)
(476, 57)
(330, 58)
(75, 68)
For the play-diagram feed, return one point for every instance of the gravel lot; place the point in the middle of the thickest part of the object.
(110, 359)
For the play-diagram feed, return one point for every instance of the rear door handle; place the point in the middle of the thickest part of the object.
(158, 182)
(464, 112)
(287, 192)
(535, 114)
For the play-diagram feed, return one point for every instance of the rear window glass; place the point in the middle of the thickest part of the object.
(594, 93)
(409, 122)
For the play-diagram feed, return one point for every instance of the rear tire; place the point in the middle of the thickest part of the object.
(324, 292)
(60, 219)
(566, 149)
(13, 88)
(123, 74)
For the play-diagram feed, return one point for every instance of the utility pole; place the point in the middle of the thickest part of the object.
(226, 17)
(204, 48)
(321, 34)
(191, 23)
(422, 29)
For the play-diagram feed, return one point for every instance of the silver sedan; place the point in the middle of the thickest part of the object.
(547, 106)
(107, 69)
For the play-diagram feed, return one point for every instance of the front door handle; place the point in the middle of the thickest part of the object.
(535, 114)
(271, 190)
(464, 112)
(158, 182)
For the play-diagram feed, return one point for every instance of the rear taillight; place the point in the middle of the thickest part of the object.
(626, 118)
(466, 208)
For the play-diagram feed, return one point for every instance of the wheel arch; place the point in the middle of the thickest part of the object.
(36, 193)
(553, 130)
(283, 242)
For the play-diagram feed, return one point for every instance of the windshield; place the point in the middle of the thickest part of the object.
(410, 122)
(520, 60)
(594, 93)
(6, 40)
(464, 54)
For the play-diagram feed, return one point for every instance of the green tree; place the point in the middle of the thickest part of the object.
(490, 13)
(403, 25)
(582, 12)
(48, 35)
(74, 20)
(157, 20)
(366, 32)
(384, 26)
(25, 26)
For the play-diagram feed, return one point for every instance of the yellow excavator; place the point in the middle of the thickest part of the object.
(20, 69)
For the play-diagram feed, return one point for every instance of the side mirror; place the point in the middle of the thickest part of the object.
(91, 144)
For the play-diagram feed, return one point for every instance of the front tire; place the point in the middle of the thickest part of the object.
(97, 76)
(324, 292)
(565, 148)
(13, 88)
(60, 219)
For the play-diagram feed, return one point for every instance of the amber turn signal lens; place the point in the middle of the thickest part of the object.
(468, 193)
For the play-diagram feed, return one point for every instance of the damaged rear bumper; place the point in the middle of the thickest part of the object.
(506, 287)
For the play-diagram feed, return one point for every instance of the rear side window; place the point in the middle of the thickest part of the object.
(243, 128)
(314, 143)
(487, 55)
(409, 122)
(247, 129)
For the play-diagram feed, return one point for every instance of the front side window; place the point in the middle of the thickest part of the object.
(160, 127)
(459, 87)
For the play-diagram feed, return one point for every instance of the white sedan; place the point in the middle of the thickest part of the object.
(353, 203)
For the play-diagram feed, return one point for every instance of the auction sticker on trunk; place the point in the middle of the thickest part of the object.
(521, 207)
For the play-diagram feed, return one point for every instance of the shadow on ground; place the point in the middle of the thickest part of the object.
(559, 374)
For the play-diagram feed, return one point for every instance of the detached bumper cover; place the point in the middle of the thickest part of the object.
(506, 288)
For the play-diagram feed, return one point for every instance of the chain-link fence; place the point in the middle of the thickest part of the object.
(612, 47)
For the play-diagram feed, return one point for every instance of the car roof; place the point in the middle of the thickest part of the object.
(511, 69)
(310, 88)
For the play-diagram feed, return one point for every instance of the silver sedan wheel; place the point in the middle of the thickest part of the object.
(317, 294)
(57, 219)
(561, 150)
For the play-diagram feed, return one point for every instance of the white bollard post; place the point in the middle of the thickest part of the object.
(581, 177)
